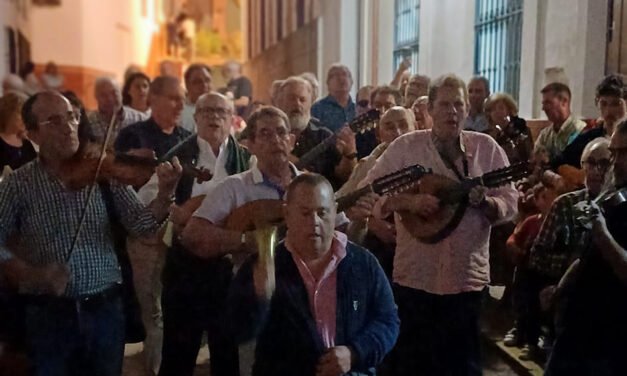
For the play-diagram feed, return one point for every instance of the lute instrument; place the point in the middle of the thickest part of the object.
(360, 124)
(453, 196)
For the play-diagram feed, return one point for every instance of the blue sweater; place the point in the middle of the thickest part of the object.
(288, 342)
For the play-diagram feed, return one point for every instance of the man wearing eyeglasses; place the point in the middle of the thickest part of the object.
(194, 288)
(592, 327)
(559, 241)
(67, 270)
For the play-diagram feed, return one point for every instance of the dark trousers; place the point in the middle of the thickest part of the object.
(66, 338)
(193, 302)
(584, 351)
(439, 334)
(526, 302)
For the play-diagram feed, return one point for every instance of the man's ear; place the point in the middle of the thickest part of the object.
(292, 142)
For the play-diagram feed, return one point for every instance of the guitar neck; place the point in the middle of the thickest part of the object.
(315, 152)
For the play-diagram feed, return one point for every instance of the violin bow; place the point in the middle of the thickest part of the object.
(92, 188)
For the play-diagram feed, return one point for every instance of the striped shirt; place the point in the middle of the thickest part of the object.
(460, 262)
(35, 205)
(561, 236)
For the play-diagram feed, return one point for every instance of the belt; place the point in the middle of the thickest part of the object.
(85, 302)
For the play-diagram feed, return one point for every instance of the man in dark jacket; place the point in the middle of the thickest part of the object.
(323, 306)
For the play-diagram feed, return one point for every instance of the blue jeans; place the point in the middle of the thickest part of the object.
(69, 339)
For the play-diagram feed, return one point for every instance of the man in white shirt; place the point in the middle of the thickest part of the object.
(194, 289)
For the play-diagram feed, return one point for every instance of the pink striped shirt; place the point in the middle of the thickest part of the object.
(323, 292)
(460, 262)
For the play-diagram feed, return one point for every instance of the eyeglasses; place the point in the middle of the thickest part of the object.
(213, 111)
(267, 134)
(363, 103)
(59, 120)
(601, 164)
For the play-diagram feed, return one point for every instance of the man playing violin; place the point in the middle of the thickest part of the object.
(67, 269)
(194, 288)
(438, 284)
(335, 163)
(591, 327)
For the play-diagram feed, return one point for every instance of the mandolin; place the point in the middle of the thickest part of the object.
(360, 124)
(453, 196)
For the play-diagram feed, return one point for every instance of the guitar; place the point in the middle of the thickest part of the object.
(393, 183)
(360, 124)
(453, 197)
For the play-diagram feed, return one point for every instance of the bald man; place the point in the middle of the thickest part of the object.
(380, 238)
(109, 99)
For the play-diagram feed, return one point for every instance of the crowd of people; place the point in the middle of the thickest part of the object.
(400, 207)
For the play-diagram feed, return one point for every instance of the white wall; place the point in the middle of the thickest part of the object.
(568, 36)
(337, 37)
(102, 35)
(447, 37)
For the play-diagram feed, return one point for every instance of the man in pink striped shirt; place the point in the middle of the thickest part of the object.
(438, 286)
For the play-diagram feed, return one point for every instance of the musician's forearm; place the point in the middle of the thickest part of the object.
(344, 168)
(160, 206)
(208, 241)
(615, 255)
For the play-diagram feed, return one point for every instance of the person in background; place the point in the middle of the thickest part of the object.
(363, 99)
(274, 92)
(420, 108)
(337, 108)
(198, 81)
(478, 91)
(135, 93)
(12, 83)
(610, 98)
(380, 237)
(31, 82)
(315, 84)
(526, 329)
(239, 87)
(52, 79)
(564, 128)
(187, 35)
(509, 130)
(382, 98)
(15, 149)
(418, 86)
(109, 98)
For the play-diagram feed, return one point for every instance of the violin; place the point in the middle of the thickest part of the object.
(133, 169)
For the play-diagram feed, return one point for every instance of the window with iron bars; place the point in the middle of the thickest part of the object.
(406, 32)
(498, 35)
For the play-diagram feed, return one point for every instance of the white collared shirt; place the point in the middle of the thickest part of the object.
(215, 164)
(187, 117)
